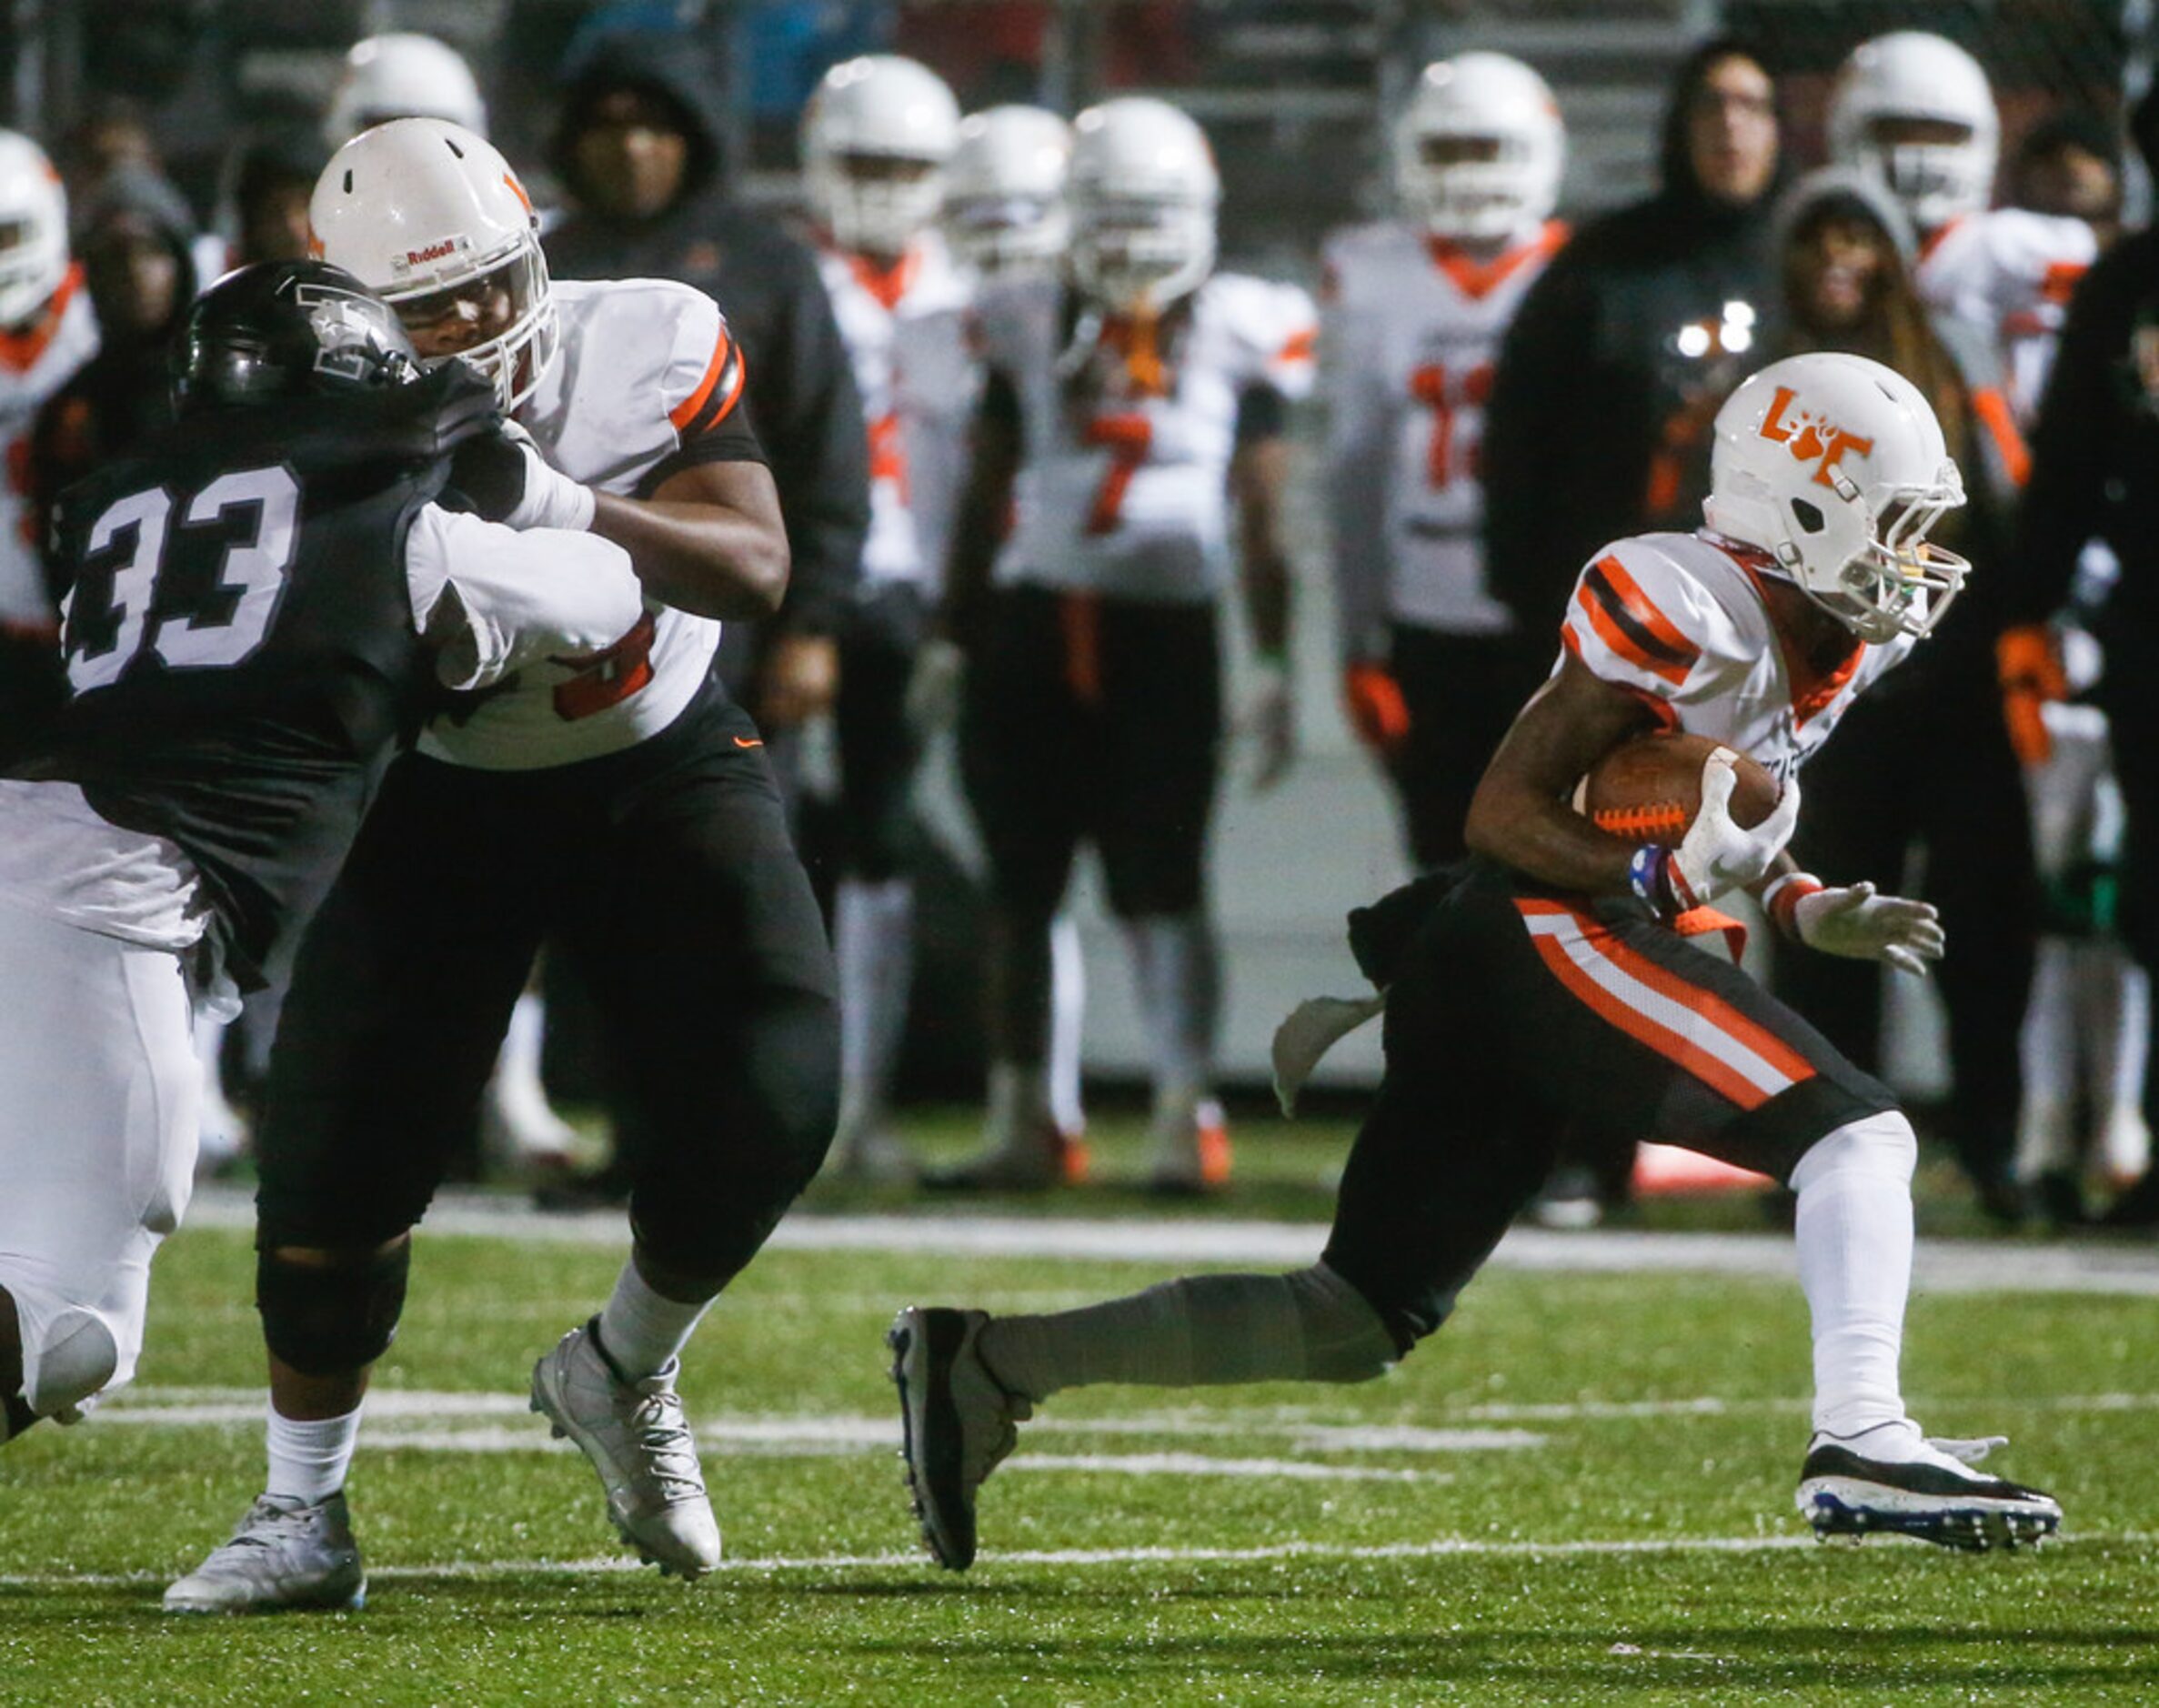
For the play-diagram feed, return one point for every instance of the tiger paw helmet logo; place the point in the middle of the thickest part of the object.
(1812, 437)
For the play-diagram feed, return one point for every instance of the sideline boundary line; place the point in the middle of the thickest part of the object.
(1446, 1548)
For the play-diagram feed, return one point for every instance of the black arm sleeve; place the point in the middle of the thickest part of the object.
(1262, 413)
(809, 416)
(1530, 442)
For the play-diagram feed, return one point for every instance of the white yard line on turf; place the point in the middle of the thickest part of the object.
(1942, 1266)
(986, 1568)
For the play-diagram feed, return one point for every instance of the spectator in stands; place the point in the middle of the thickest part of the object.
(2068, 165)
(2093, 449)
(135, 243)
(274, 174)
(1633, 327)
(1845, 250)
(637, 153)
(1637, 328)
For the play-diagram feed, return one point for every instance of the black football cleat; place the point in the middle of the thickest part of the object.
(1933, 1494)
(957, 1422)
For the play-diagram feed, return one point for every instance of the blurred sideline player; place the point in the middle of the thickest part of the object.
(1007, 222)
(48, 332)
(1539, 984)
(1131, 423)
(1916, 111)
(262, 599)
(876, 136)
(618, 807)
(1416, 307)
(401, 75)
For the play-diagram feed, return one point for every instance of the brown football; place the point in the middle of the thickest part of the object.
(1649, 789)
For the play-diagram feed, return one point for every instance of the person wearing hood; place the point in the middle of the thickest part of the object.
(1846, 249)
(1609, 364)
(136, 243)
(1608, 382)
(637, 153)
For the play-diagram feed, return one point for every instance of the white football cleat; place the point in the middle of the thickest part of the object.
(285, 1557)
(957, 1422)
(636, 1436)
(1892, 1480)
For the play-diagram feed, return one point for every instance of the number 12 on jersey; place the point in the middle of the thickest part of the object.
(1445, 394)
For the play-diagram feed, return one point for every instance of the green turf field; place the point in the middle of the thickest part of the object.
(1580, 1492)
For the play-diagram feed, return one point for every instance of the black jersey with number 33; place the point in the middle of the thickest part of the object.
(239, 640)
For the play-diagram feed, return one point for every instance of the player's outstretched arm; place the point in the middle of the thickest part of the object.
(1521, 814)
(709, 542)
(1258, 475)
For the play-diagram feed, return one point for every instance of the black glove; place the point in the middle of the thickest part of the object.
(488, 476)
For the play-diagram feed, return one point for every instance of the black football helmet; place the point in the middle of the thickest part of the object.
(284, 329)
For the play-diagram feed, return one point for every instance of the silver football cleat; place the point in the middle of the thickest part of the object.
(285, 1556)
(637, 1440)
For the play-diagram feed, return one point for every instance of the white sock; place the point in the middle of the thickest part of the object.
(1067, 1022)
(873, 942)
(641, 1333)
(1016, 1119)
(1178, 972)
(308, 1459)
(519, 1060)
(1854, 1233)
(1198, 1331)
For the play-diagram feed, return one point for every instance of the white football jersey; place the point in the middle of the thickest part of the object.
(35, 363)
(646, 366)
(1411, 336)
(906, 336)
(521, 597)
(1680, 619)
(2010, 273)
(1123, 481)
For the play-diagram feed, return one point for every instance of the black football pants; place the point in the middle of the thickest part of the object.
(1514, 1013)
(665, 873)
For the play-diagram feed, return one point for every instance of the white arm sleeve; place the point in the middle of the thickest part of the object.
(1359, 447)
(519, 597)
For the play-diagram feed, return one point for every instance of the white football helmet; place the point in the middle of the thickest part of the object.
(1004, 191)
(876, 136)
(402, 76)
(1911, 75)
(1478, 150)
(33, 230)
(1836, 465)
(430, 215)
(1143, 191)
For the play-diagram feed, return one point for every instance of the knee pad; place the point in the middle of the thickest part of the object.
(1344, 1337)
(1881, 1144)
(78, 1359)
(332, 1320)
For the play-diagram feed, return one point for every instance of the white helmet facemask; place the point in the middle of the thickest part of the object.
(1143, 194)
(874, 139)
(431, 216)
(1479, 151)
(1916, 111)
(33, 230)
(1835, 467)
(1004, 210)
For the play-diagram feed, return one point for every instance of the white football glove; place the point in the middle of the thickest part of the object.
(934, 686)
(1269, 719)
(1856, 922)
(1716, 855)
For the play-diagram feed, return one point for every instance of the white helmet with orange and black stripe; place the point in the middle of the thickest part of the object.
(431, 216)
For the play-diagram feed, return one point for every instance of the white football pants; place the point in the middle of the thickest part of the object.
(99, 1088)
